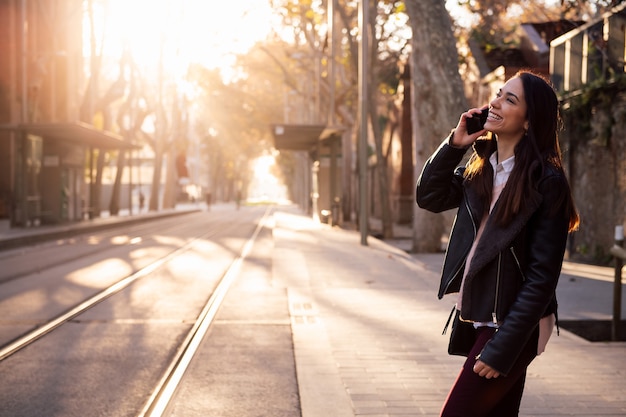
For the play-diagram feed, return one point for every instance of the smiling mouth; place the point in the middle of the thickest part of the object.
(493, 116)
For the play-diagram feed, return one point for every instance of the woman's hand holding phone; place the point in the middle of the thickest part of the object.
(470, 127)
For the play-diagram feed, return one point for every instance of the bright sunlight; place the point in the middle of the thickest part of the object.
(264, 185)
(208, 32)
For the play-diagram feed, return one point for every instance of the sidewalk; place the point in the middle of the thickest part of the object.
(20, 236)
(585, 291)
(367, 333)
(367, 324)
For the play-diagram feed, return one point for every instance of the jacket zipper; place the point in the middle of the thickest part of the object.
(494, 314)
(469, 210)
(519, 266)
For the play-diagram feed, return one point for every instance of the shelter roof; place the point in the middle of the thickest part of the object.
(294, 137)
(77, 132)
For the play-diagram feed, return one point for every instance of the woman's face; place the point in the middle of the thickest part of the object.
(507, 113)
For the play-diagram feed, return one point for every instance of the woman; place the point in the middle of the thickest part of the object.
(507, 244)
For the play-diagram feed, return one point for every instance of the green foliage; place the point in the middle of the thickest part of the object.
(233, 117)
(599, 6)
(595, 97)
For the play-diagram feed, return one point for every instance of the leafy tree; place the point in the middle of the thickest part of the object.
(438, 97)
(495, 22)
(232, 119)
(586, 8)
(96, 104)
(124, 106)
(306, 48)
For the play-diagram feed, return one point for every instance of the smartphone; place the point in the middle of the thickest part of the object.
(476, 123)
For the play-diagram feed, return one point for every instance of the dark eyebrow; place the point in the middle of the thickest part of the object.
(508, 93)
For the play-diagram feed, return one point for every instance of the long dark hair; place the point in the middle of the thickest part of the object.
(533, 154)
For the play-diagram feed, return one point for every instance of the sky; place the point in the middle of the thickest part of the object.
(209, 32)
(461, 16)
(204, 31)
(456, 11)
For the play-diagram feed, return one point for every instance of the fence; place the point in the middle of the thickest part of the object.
(592, 51)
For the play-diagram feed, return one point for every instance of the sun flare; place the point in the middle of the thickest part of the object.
(265, 186)
(180, 32)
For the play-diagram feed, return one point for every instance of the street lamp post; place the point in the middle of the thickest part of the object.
(363, 214)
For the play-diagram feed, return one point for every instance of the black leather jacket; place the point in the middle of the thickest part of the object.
(515, 269)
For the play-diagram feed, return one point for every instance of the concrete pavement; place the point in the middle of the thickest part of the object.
(367, 325)
(367, 331)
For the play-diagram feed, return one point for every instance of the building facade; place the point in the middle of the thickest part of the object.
(45, 149)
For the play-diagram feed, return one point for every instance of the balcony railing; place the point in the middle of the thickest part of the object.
(595, 50)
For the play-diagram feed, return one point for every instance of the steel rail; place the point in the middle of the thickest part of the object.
(139, 232)
(161, 397)
(31, 336)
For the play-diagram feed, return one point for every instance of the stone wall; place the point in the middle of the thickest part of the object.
(594, 150)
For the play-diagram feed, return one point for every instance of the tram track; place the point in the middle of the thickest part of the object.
(208, 311)
(161, 397)
(89, 338)
(41, 331)
(96, 243)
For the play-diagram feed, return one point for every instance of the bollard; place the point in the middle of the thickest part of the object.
(618, 253)
(335, 211)
(325, 217)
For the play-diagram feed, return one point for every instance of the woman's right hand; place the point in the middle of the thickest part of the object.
(462, 139)
(484, 370)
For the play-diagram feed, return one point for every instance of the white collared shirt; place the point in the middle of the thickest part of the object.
(501, 172)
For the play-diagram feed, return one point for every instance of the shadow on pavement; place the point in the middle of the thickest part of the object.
(594, 330)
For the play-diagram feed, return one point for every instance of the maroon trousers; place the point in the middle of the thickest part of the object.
(475, 396)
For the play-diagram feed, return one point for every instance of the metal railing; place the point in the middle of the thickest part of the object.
(592, 51)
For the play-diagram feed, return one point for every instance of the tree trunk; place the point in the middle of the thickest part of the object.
(97, 186)
(406, 182)
(114, 204)
(438, 99)
(383, 174)
(155, 188)
(171, 185)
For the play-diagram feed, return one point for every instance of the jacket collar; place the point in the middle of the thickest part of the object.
(496, 238)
